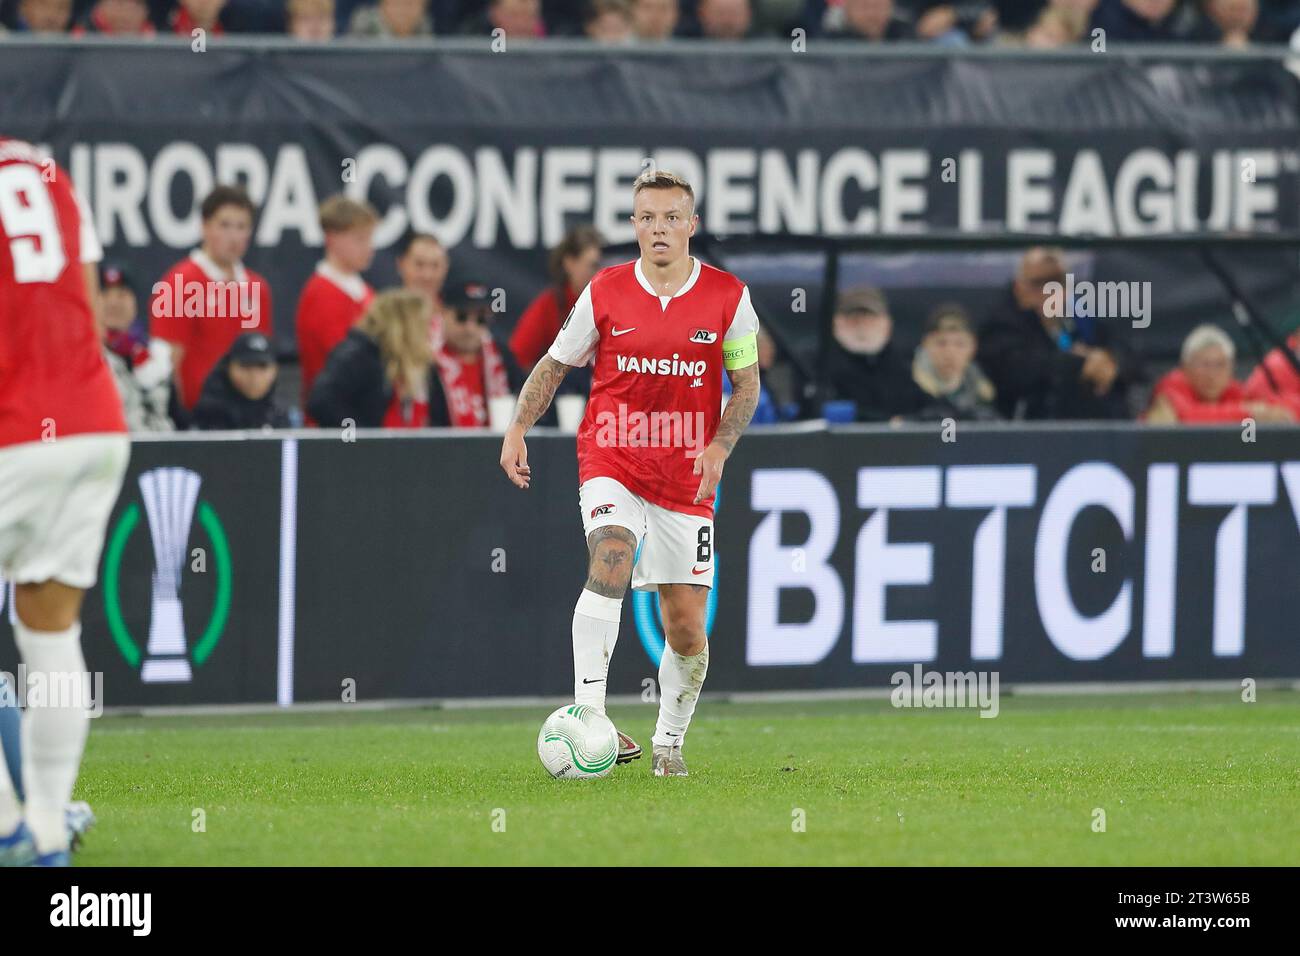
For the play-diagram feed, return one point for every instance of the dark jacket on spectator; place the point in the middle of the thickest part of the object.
(1122, 24)
(351, 385)
(880, 384)
(221, 405)
(1036, 378)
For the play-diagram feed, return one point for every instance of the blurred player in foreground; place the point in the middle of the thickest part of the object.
(651, 446)
(63, 453)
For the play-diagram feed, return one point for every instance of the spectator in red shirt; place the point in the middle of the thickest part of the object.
(193, 15)
(572, 265)
(116, 18)
(1283, 375)
(422, 265)
(336, 295)
(207, 300)
(1202, 390)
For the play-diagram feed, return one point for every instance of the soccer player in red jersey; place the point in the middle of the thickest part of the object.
(651, 446)
(63, 452)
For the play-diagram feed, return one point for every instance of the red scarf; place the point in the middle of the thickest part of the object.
(464, 383)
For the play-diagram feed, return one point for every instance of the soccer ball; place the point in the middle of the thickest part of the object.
(577, 741)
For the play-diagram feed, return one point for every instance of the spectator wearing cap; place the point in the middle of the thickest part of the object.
(121, 18)
(143, 369)
(1275, 380)
(470, 367)
(378, 376)
(608, 21)
(44, 16)
(422, 265)
(392, 19)
(862, 364)
(1047, 366)
(1202, 389)
(240, 391)
(654, 20)
(311, 21)
(208, 299)
(944, 367)
(336, 295)
(191, 15)
(572, 264)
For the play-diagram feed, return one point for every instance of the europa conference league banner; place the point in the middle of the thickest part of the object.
(264, 569)
(497, 153)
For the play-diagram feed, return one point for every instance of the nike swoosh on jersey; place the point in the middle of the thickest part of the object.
(700, 571)
(617, 332)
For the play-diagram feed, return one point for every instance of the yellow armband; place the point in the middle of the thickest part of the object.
(740, 353)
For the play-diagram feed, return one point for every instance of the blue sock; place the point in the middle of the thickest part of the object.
(10, 727)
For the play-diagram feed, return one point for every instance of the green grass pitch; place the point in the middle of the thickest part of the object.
(1183, 779)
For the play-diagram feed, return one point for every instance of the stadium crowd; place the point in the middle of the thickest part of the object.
(1033, 23)
(434, 353)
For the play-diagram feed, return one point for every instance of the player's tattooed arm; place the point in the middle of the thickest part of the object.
(535, 397)
(740, 409)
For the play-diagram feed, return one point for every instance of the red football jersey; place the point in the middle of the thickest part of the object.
(197, 307)
(656, 389)
(54, 381)
(330, 304)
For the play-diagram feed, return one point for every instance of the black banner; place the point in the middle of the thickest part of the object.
(391, 567)
(498, 151)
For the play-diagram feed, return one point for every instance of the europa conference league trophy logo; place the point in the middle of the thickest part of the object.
(171, 498)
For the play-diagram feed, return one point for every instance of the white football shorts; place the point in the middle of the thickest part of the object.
(57, 497)
(673, 547)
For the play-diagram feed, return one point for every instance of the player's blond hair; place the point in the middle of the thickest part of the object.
(399, 322)
(662, 179)
(339, 214)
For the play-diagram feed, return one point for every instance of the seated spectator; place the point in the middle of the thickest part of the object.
(378, 375)
(143, 369)
(1044, 367)
(392, 19)
(336, 295)
(608, 21)
(722, 20)
(240, 392)
(470, 367)
(1061, 23)
(873, 20)
(1233, 23)
(232, 299)
(1141, 21)
(422, 265)
(191, 15)
(1202, 389)
(1275, 379)
(953, 24)
(116, 18)
(944, 368)
(311, 21)
(572, 264)
(862, 364)
(654, 19)
(44, 16)
(516, 19)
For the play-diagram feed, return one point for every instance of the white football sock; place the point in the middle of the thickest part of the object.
(595, 632)
(680, 681)
(53, 737)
